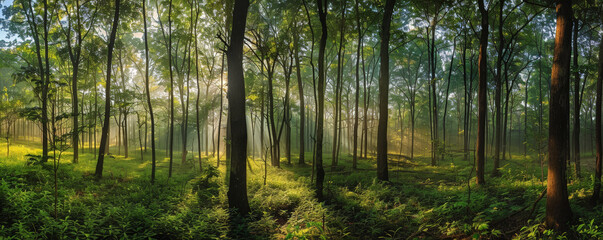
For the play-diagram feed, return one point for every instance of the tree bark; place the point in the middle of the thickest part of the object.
(558, 211)
(320, 173)
(597, 185)
(302, 108)
(237, 190)
(357, 90)
(171, 95)
(148, 92)
(498, 93)
(577, 103)
(337, 104)
(382, 173)
(482, 101)
(105, 132)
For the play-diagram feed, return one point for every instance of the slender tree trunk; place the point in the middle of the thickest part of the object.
(597, 185)
(498, 93)
(275, 147)
(525, 118)
(221, 109)
(140, 136)
(148, 93)
(357, 90)
(446, 99)
(467, 92)
(124, 110)
(74, 105)
(171, 95)
(198, 121)
(482, 107)
(320, 173)
(104, 137)
(302, 105)
(337, 104)
(577, 102)
(558, 211)
(45, 85)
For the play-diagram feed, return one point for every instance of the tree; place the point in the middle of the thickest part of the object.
(599, 99)
(80, 16)
(483, 88)
(357, 91)
(302, 108)
(32, 24)
(237, 190)
(338, 85)
(383, 92)
(148, 91)
(105, 132)
(167, 38)
(558, 211)
(320, 172)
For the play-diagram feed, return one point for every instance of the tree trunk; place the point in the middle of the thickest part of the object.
(148, 93)
(237, 190)
(105, 133)
(597, 185)
(171, 95)
(221, 109)
(357, 90)
(498, 93)
(577, 102)
(337, 104)
(446, 99)
(302, 105)
(45, 85)
(558, 211)
(382, 173)
(482, 104)
(320, 173)
(198, 122)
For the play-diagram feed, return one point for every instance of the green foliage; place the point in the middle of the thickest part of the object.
(423, 202)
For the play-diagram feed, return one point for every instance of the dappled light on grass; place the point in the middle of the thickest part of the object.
(421, 201)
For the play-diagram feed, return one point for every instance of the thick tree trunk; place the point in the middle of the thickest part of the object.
(558, 211)
(105, 132)
(237, 190)
(382, 173)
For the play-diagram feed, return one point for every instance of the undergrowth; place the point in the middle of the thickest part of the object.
(420, 201)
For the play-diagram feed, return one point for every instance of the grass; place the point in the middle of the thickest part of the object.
(421, 201)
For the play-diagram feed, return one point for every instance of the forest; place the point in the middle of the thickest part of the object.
(301, 119)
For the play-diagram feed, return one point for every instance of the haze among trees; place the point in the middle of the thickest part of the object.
(300, 119)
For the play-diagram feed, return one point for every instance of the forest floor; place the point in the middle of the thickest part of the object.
(419, 202)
